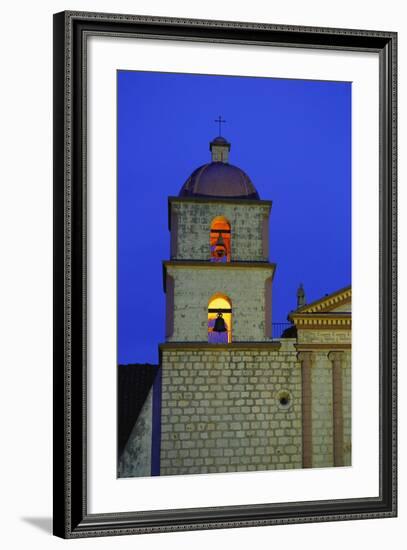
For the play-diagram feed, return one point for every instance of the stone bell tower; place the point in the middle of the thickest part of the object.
(218, 285)
(219, 250)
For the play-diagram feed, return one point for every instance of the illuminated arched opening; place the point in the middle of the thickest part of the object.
(219, 307)
(220, 240)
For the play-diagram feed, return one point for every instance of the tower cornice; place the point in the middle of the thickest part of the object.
(233, 346)
(204, 264)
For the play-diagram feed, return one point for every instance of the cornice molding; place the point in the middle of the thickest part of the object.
(325, 322)
(233, 346)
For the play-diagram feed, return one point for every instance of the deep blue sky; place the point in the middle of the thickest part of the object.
(292, 137)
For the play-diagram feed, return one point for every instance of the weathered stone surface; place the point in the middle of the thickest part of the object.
(194, 223)
(194, 287)
(237, 432)
(324, 336)
(136, 457)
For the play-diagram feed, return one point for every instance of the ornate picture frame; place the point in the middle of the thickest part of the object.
(72, 517)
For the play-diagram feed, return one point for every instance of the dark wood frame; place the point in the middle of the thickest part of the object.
(71, 518)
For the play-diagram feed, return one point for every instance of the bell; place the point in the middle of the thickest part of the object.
(220, 325)
(220, 248)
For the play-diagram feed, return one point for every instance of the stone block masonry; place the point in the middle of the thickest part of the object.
(194, 286)
(330, 337)
(223, 411)
(192, 220)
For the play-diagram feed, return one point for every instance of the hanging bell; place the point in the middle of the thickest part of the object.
(220, 325)
(220, 247)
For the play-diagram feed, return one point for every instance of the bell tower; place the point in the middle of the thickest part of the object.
(221, 368)
(219, 275)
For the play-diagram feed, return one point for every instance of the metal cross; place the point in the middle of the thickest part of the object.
(220, 121)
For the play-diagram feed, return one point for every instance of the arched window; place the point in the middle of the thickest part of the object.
(220, 240)
(219, 320)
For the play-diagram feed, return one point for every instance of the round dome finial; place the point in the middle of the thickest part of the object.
(300, 296)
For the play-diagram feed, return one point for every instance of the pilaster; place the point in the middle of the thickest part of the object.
(305, 358)
(336, 358)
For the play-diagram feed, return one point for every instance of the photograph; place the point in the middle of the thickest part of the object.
(234, 290)
(225, 282)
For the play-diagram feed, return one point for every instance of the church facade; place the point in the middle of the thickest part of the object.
(229, 395)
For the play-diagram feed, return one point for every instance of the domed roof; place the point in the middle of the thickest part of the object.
(220, 140)
(219, 180)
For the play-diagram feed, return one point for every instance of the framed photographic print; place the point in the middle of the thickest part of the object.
(224, 274)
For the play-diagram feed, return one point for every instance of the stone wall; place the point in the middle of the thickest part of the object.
(136, 457)
(324, 336)
(193, 288)
(191, 221)
(221, 409)
(321, 343)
